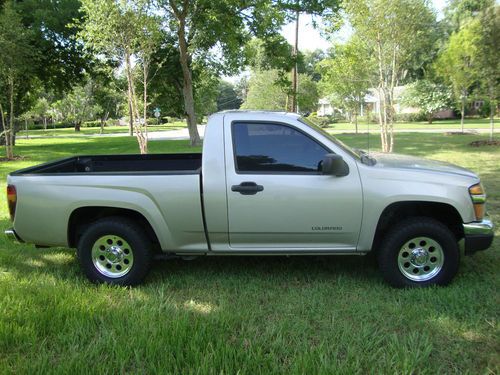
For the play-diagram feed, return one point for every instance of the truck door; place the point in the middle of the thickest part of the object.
(278, 200)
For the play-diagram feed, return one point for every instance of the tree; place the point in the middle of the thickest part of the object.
(78, 105)
(457, 63)
(307, 94)
(167, 84)
(205, 91)
(266, 93)
(108, 94)
(347, 76)
(293, 9)
(16, 59)
(227, 98)
(201, 25)
(430, 97)
(123, 31)
(488, 58)
(459, 12)
(241, 87)
(41, 110)
(263, 92)
(309, 63)
(61, 60)
(399, 35)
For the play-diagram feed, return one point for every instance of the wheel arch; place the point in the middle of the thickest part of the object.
(397, 211)
(82, 217)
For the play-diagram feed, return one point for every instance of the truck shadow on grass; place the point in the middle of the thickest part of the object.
(270, 268)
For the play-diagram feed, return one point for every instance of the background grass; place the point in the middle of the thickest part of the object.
(448, 125)
(296, 315)
(50, 132)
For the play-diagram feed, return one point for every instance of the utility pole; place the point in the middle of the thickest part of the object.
(295, 67)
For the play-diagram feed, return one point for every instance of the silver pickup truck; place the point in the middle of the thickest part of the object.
(265, 184)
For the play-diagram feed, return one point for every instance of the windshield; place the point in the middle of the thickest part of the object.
(342, 145)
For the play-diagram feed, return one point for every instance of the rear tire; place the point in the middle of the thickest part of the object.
(116, 251)
(419, 252)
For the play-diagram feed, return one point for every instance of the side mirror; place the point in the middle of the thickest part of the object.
(333, 164)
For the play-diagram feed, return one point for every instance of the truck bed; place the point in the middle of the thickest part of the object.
(122, 164)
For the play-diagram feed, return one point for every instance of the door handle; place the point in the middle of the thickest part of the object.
(247, 188)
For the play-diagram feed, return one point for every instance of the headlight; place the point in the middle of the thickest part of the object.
(478, 197)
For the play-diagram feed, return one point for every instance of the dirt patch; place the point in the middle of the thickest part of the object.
(16, 158)
(484, 143)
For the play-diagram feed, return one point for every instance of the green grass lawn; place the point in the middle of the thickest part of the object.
(449, 125)
(261, 315)
(50, 132)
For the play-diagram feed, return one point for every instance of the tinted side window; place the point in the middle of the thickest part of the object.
(275, 148)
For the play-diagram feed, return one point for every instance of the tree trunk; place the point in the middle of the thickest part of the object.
(391, 109)
(381, 94)
(130, 118)
(3, 127)
(430, 117)
(9, 136)
(44, 123)
(187, 88)
(141, 139)
(493, 105)
(462, 113)
(78, 125)
(295, 75)
(356, 121)
(145, 71)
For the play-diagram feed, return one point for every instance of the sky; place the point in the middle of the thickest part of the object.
(311, 39)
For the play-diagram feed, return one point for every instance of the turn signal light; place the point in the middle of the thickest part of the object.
(479, 211)
(478, 197)
(11, 200)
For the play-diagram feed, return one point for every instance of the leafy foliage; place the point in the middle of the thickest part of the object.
(59, 59)
(265, 93)
(399, 35)
(428, 96)
(347, 76)
(16, 68)
(457, 63)
(227, 97)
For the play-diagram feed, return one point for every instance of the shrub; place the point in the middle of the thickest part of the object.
(322, 122)
(410, 117)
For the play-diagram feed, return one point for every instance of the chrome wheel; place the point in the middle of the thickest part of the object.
(420, 259)
(112, 256)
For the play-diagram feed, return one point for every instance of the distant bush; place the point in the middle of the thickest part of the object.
(484, 110)
(91, 124)
(322, 121)
(50, 125)
(170, 119)
(410, 117)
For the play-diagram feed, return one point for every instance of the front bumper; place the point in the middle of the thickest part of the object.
(478, 236)
(12, 235)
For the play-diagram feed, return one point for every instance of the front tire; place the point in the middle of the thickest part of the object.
(116, 251)
(419, 252)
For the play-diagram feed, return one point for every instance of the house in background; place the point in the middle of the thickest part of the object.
(325, 108)
(372, 104)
